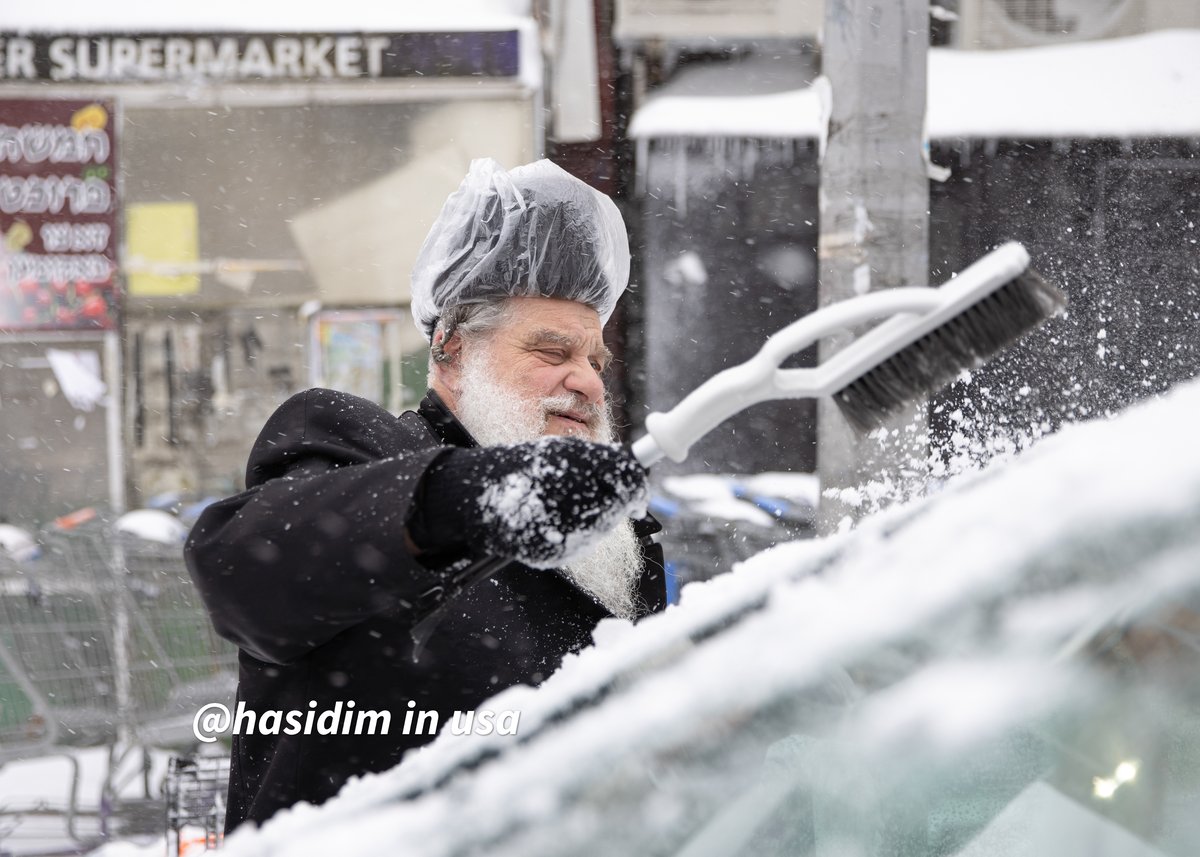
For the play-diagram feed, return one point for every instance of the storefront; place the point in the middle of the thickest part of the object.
(230, 216)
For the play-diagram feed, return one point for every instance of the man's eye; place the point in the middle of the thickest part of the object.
(598, 366)
(552, 354)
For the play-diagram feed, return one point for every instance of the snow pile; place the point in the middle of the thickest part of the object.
(1140, 86)
(808, 606)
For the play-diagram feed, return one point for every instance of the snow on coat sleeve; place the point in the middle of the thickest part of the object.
(316, 543)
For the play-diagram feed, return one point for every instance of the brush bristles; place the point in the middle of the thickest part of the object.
(963, 342)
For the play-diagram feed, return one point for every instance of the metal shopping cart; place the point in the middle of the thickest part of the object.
(104, 643)
(195, 792)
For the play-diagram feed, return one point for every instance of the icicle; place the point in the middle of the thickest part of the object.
(641, 166)
(680, 157)
(749, 159)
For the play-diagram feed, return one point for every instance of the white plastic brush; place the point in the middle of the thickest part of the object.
(930, 336)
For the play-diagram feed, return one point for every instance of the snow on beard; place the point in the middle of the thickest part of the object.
(494, 414)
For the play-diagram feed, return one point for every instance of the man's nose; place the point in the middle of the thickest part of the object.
(583, 380)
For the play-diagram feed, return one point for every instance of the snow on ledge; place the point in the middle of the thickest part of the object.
(794, 114)
(1141, 86)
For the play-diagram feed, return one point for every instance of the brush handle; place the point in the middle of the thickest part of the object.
(760, 379)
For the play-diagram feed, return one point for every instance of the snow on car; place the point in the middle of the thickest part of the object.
(1006, 667)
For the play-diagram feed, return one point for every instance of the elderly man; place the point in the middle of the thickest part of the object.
(354, 520)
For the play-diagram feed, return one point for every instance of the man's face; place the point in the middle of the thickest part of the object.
(546, 362)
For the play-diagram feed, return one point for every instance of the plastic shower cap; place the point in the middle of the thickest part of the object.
(534, 231)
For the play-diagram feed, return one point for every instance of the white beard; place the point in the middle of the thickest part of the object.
(496, 415)
(609, 571)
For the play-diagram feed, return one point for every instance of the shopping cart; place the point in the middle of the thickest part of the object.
(105, 643)
(177, 663)
(195, 792)
(56, 637)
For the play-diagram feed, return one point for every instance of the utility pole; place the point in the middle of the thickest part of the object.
(874, 208)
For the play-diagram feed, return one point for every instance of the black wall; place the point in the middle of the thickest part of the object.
(746, 211)
(1117, 227)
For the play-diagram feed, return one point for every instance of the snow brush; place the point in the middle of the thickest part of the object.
(930, 336)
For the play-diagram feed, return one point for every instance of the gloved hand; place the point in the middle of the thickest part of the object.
(542, 503)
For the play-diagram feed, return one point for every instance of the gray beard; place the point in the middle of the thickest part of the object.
(610, 571)
(496, 415)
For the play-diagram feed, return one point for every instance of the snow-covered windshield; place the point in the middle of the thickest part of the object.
(984, 672)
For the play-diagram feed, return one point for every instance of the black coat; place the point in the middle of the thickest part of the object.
(307, 572)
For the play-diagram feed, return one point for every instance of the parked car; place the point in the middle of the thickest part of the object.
(712, 521)
(1008, 667)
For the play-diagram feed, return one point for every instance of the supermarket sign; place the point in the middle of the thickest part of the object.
(167, 57)
(58, 215)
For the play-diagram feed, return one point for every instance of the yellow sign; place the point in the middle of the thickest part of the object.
(162, 248)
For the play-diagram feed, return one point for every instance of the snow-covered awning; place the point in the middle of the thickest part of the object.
(1141, 86)
(757, 97)
(240, 16)
(794, 114)
(147, 41)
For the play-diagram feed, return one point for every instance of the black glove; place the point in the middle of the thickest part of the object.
(543, 503)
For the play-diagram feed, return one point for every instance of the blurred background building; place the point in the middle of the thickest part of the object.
(1070, 126)
(268, 184)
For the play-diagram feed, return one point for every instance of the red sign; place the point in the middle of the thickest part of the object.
(58, 206)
